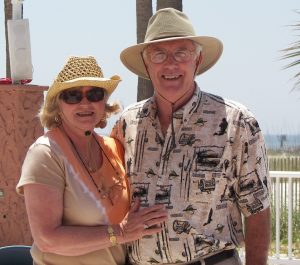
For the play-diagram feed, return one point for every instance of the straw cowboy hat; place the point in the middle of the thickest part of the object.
(81, 71)
(165, 25)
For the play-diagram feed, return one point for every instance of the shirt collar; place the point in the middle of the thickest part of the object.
(184, 113)
(191, 106)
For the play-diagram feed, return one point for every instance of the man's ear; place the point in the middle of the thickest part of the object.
(198, 62)
(144, 59)
(200, 58)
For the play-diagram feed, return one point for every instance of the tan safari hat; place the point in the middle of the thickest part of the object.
(81, 71)
(165, 25)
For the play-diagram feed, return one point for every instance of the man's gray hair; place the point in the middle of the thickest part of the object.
(198, 47)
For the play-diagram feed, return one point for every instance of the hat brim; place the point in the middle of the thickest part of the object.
(212, 49)
(109, 85)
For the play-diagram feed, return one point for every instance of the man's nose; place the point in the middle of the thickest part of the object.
(170, 58)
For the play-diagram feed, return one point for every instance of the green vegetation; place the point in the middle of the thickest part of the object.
(284, 231)
(286, 162)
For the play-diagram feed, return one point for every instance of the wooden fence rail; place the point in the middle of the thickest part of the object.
(284, 163)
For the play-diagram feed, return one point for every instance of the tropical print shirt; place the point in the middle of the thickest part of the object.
(210, 167)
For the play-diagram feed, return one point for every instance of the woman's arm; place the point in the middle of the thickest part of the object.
(44, 206)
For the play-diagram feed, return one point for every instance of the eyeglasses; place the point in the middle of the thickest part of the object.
(180, 55)
(74, 96)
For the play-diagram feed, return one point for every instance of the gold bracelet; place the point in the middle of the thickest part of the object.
(112, 236)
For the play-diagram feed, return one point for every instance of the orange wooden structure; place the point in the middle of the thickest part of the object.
(19, 127)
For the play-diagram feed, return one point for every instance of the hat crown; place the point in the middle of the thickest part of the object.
(79, 67)
(167, 23)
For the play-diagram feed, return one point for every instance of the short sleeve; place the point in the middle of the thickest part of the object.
(42, 166)
(253, 190)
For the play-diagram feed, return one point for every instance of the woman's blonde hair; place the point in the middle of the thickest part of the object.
(50, 117)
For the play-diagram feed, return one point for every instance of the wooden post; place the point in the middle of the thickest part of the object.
(19, 127)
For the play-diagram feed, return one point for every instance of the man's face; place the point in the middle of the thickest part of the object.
(171, 66)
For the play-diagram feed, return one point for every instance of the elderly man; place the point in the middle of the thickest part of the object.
(200, 155)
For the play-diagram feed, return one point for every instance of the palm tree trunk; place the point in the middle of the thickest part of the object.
(177, 4)
(143, 14)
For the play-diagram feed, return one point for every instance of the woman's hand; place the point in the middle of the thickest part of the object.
(141, 222)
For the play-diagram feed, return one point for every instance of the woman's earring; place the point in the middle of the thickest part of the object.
(57, 120)
(103, 123)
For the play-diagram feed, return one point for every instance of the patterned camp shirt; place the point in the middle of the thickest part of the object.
(208, 171)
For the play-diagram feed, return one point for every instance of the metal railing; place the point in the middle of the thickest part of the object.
(285, 204)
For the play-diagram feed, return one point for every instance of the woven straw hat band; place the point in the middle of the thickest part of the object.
(168, 23)
(78, 67)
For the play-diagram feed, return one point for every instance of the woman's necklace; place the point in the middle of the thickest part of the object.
(92, 164)
(103, 191)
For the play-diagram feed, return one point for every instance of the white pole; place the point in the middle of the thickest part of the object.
(290, 218)
(277, 211)
(17, 9)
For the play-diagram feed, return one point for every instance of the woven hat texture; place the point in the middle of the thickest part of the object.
(78, 68)
(81, 71)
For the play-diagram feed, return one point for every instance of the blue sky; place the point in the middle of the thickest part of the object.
(249, 71)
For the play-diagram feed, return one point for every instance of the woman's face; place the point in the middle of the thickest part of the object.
(82, 108)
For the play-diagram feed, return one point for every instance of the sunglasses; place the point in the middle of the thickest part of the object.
(74, 96)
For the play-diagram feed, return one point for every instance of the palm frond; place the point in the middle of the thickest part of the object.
(291, 55)
(292, 64)
(293, 52)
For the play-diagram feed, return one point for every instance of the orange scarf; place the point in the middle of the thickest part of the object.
(114, 152)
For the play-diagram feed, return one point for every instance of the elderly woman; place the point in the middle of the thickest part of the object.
(76, 193)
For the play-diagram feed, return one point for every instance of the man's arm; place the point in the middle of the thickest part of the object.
(257, 238)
